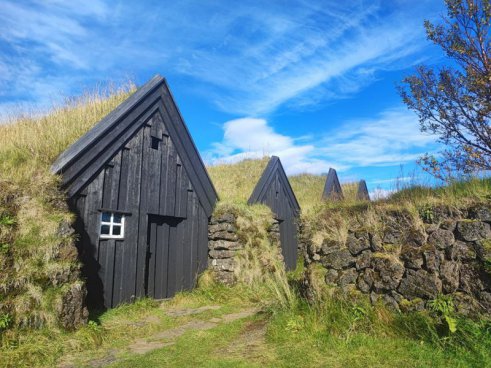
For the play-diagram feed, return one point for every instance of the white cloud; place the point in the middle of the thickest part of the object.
(254, 138)
(392, 138)
(247, 59)
(380, 193)
(318, 53)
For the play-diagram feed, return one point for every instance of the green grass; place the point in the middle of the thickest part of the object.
(35, 259)
(235, 182)
(336, 332)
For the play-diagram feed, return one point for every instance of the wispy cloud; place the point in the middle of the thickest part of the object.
(254, 138)
(316, 53)
(390, 139)
(247, 59)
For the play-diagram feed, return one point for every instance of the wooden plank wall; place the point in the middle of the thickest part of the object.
(276, 198)
(140, 180)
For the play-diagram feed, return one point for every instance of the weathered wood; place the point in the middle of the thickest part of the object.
(274, 190)
(86, 166)
(141, 162)
(84, 143)
(332, 188)
(362, 192)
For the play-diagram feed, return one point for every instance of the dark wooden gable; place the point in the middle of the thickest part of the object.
(272, 185)
(81, 162)
(362, 192)
(332, 189)
(139, 161)
(274, 190)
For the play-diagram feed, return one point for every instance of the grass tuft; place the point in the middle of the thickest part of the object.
(39, 264)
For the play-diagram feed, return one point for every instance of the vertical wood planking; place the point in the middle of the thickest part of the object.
(189, 264)
(115, 182)
(153, 172)
(130, 203)
(119, 274)
(202, 240)
(138, 181)
(170, 194)
(122, 203)
(183, 187)
(172, 262)
(181, 230)
(143, 217)
(164, 169)
(152, 254)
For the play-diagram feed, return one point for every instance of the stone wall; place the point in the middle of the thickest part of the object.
(405, 265)
(225, 244)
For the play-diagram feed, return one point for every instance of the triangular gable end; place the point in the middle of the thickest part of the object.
(332, 189)
(81, 162)
(274, 167)
(362, 193)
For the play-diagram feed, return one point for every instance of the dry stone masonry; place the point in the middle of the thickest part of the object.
(404, 267)
(225, 245)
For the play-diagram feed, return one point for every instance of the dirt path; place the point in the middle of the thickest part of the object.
(166, 337)
(250, 344)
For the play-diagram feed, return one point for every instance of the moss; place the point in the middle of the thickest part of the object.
(381, 255)
(37, 262)
(409, 305)
(391, 248)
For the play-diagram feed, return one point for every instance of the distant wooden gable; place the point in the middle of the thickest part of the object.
(362, 193)
(142, 197)
(274, 190)
(332, 189)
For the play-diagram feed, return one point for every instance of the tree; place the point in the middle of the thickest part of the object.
(454, 102)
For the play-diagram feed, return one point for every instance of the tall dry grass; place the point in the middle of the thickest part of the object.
(39, 264)
(29, 143)
(235, 182)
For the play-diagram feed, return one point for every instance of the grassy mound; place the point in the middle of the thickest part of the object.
(40, 271)
(235, 182)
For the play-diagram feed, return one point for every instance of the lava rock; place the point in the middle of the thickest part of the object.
(338, 259)
(388, 272)
(363, 260)
(441, 239)
(473, 230)
(449, 274)
(412, 257)
(420, 284)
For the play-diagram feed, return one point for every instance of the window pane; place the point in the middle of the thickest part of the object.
(116, 230)
(117, 218)
(105, 230)
(106, 217)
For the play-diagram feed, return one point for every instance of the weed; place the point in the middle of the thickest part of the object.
(7, 220)
(426, 214)
(5, 321)
(444, 308)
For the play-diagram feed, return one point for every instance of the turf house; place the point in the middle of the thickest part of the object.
(143, 199)
(274, 190)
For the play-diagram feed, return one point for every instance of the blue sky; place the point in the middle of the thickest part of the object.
(310, 81)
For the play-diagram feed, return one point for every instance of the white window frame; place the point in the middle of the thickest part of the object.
(111, 224)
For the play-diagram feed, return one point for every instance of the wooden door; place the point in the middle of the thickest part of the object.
(163, 245)
(288, 240)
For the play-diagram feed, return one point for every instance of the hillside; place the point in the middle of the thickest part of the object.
(268, 318)
(235, 182)
(40, 278)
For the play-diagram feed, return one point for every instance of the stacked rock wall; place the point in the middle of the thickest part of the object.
(225, 245)
(405, 266)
